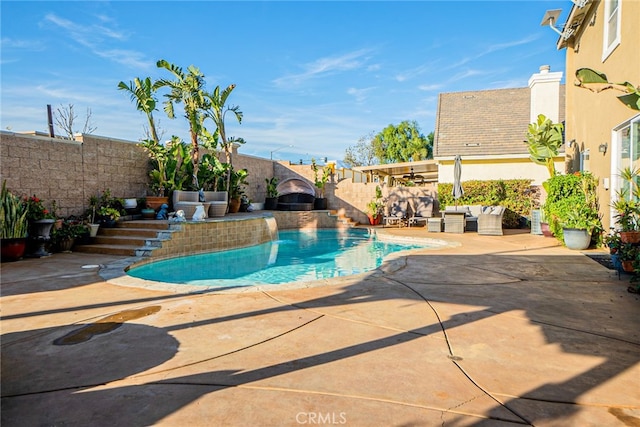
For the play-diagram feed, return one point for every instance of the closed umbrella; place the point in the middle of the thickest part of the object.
(457, 185)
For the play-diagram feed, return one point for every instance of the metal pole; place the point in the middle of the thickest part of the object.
(50, 121)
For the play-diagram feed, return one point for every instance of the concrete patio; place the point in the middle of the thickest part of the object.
(496, 331)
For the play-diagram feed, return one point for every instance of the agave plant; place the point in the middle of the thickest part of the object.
(13, 215)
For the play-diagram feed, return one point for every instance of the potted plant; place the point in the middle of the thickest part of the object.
(63, 239)
(108, 216)
(271, 200)
(236, 188)
(375, 208)
(320, 179)
(628, 252)
(627, 207)
(41, 221)
(13, 225)
(578, 227)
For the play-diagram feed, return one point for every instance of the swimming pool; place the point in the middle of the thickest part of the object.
(297, 255)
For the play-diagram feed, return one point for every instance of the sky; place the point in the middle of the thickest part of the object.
(312, 78)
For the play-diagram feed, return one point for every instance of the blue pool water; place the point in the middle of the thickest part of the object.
(295, 256)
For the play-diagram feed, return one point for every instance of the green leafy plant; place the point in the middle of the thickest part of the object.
(626, 204)
(613, 241)
(70, 229)
(572, 199)
(596, 81)
(272, 187)
(238, 183)
(376, 206)
(544, 139)
(320, 176)
(108, 212)
(13, 215)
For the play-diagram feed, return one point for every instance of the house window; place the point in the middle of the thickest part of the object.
(627, 139)
(611, 27)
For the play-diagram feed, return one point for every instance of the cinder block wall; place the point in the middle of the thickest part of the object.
(69, 172)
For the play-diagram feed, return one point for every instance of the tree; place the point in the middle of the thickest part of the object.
(361, 154)
(142, 94)
(187, 89)
(65, 119)
(403, 143)
(216, 111)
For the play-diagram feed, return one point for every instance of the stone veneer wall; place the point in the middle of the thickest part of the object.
(306, 220)
(215, 235)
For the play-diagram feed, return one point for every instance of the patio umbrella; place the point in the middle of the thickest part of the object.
(457, 185)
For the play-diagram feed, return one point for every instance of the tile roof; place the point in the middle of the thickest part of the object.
(486, 122)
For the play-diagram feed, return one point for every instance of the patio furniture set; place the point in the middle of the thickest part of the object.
(485, 220)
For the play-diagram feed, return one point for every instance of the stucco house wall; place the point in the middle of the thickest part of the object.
(590, 117)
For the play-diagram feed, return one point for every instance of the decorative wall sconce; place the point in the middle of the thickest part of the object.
(603, 148)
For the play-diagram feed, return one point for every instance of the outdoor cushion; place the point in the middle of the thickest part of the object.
(424, 207)
(398, 209)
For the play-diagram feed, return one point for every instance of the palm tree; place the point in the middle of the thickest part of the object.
(217, 111)
(143, 94)
(188, 90)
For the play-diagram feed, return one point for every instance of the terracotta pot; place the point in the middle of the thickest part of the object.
(627, 266)
(374, 221)
(630, 236)
(154, 202)
(544, 227)
(234, 205)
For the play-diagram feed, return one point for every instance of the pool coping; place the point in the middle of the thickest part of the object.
(115, 272)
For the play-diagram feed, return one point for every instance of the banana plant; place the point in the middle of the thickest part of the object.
(142, 94)
(596, 81)
(186, 89)
(544, 139)
(216, 111)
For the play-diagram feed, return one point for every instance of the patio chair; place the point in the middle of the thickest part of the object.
(186, 201)
(396, 214)
(490, 221)
(218, 202)
(422, 211)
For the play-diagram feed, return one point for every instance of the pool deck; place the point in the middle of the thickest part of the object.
(492, 331)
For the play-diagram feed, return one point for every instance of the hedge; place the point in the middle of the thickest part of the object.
(516, 195)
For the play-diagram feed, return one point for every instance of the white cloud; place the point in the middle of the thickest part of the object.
(360, 95)
(98, 39)
(324, 66)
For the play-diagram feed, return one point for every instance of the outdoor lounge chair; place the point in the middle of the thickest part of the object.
(422, 211)
(490, 221)
(397, 214)
(186, 201)
(218, 203)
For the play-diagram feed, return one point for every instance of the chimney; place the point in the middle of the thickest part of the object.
(545, 94)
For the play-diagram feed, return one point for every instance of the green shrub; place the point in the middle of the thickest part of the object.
(571, 195)
(514, 194)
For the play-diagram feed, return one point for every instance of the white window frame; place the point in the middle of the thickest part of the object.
(608, 48)
(616, 157)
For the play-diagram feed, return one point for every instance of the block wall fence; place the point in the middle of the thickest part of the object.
(70, 172)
